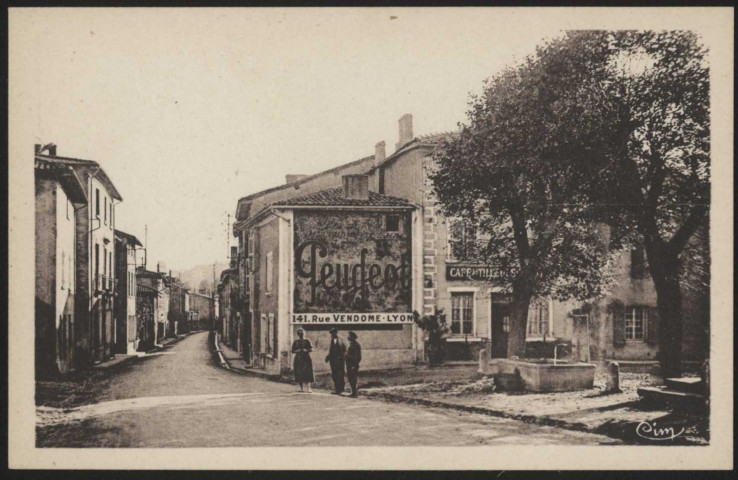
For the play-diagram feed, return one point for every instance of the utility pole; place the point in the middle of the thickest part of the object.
(146, 247)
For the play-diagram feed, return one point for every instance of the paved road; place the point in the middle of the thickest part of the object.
(180, 398)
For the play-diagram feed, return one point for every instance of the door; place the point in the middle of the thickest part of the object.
(500, 327)
(247, 336)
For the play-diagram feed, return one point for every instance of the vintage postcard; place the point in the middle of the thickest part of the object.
(371, 238)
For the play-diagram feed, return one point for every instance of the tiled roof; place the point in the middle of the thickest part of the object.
(64, 173)
(140, 272)
(435, 137)
(333, 197)
(90, 166)
(127, 236)
(304, 179)
(428, 140)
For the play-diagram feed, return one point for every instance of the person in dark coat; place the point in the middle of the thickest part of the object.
(303, 365)
(353, 358)
(337, 358)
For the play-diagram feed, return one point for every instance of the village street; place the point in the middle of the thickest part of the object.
(181, 398)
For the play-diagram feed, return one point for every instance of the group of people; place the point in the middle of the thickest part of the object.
(344, 361)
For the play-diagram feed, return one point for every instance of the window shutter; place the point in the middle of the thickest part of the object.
(652, 333)
(618, 325)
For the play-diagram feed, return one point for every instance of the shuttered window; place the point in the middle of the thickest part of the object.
(636, 318)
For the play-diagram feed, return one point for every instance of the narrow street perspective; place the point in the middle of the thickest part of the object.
(180, 398)
(349, 227)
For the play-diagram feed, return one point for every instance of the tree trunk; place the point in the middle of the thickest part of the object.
(664, 267)
(522, 295)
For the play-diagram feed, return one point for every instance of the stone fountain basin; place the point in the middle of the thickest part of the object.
(542, 375)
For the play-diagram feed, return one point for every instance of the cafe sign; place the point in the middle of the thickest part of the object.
(472, 272)
(352, 318)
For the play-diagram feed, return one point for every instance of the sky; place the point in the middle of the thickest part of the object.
(188, 110)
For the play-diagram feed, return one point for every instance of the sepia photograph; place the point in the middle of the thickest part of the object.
(370, 238)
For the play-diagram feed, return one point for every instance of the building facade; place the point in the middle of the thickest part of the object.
(158, 282)
(94, 329)
(59, 196)
(178, 307)
(147, 299)
(202, 306)
(126, 333)
(622, 325)
(231, 324)
(341, 257)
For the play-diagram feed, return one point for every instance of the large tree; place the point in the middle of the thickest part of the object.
(616, 124)
(502, 175)
(653, 176)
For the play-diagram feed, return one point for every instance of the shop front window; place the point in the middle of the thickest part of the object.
(462, 313)
(538, 318)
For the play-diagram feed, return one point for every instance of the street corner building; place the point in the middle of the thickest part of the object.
(340, 257)
(75, 272)
(363, 245)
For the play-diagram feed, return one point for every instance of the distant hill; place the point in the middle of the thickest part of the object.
(201, 276)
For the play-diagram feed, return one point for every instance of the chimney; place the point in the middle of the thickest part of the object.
(406, 130)
(355, 187)
(379, 153)
(234, 256)
(51, 147)
(292, 178)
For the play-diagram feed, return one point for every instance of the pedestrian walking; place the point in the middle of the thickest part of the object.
(353, 358)
(337, 358)
(303, 364)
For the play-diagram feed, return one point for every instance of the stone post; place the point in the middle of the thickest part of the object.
(612, 384)
(483, 361)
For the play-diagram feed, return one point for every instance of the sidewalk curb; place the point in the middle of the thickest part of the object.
(249, 373)
(538, 420)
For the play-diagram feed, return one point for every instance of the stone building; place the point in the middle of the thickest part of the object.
(231, 323)
(623, 325)
(126, 248)
(59, 196)
(340, 257)
(146, 303)
(159, 282)
(94, 329)
(178, 307)
(202, 305)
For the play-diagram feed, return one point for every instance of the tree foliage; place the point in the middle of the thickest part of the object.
(597, 127)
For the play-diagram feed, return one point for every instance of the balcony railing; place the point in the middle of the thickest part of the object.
(104, 284)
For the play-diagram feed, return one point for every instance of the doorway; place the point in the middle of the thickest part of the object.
(500, 328)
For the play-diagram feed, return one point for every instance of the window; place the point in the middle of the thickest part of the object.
(461, 239)
(70, 272)
(64, 270)
(506, 323)
(392, 223)
(538, 318)
(462, 313)
(635, 322)
(105, 212)
(637, 263)
(68, 209)
(97, 202)
(269, 273)
(97, 260)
